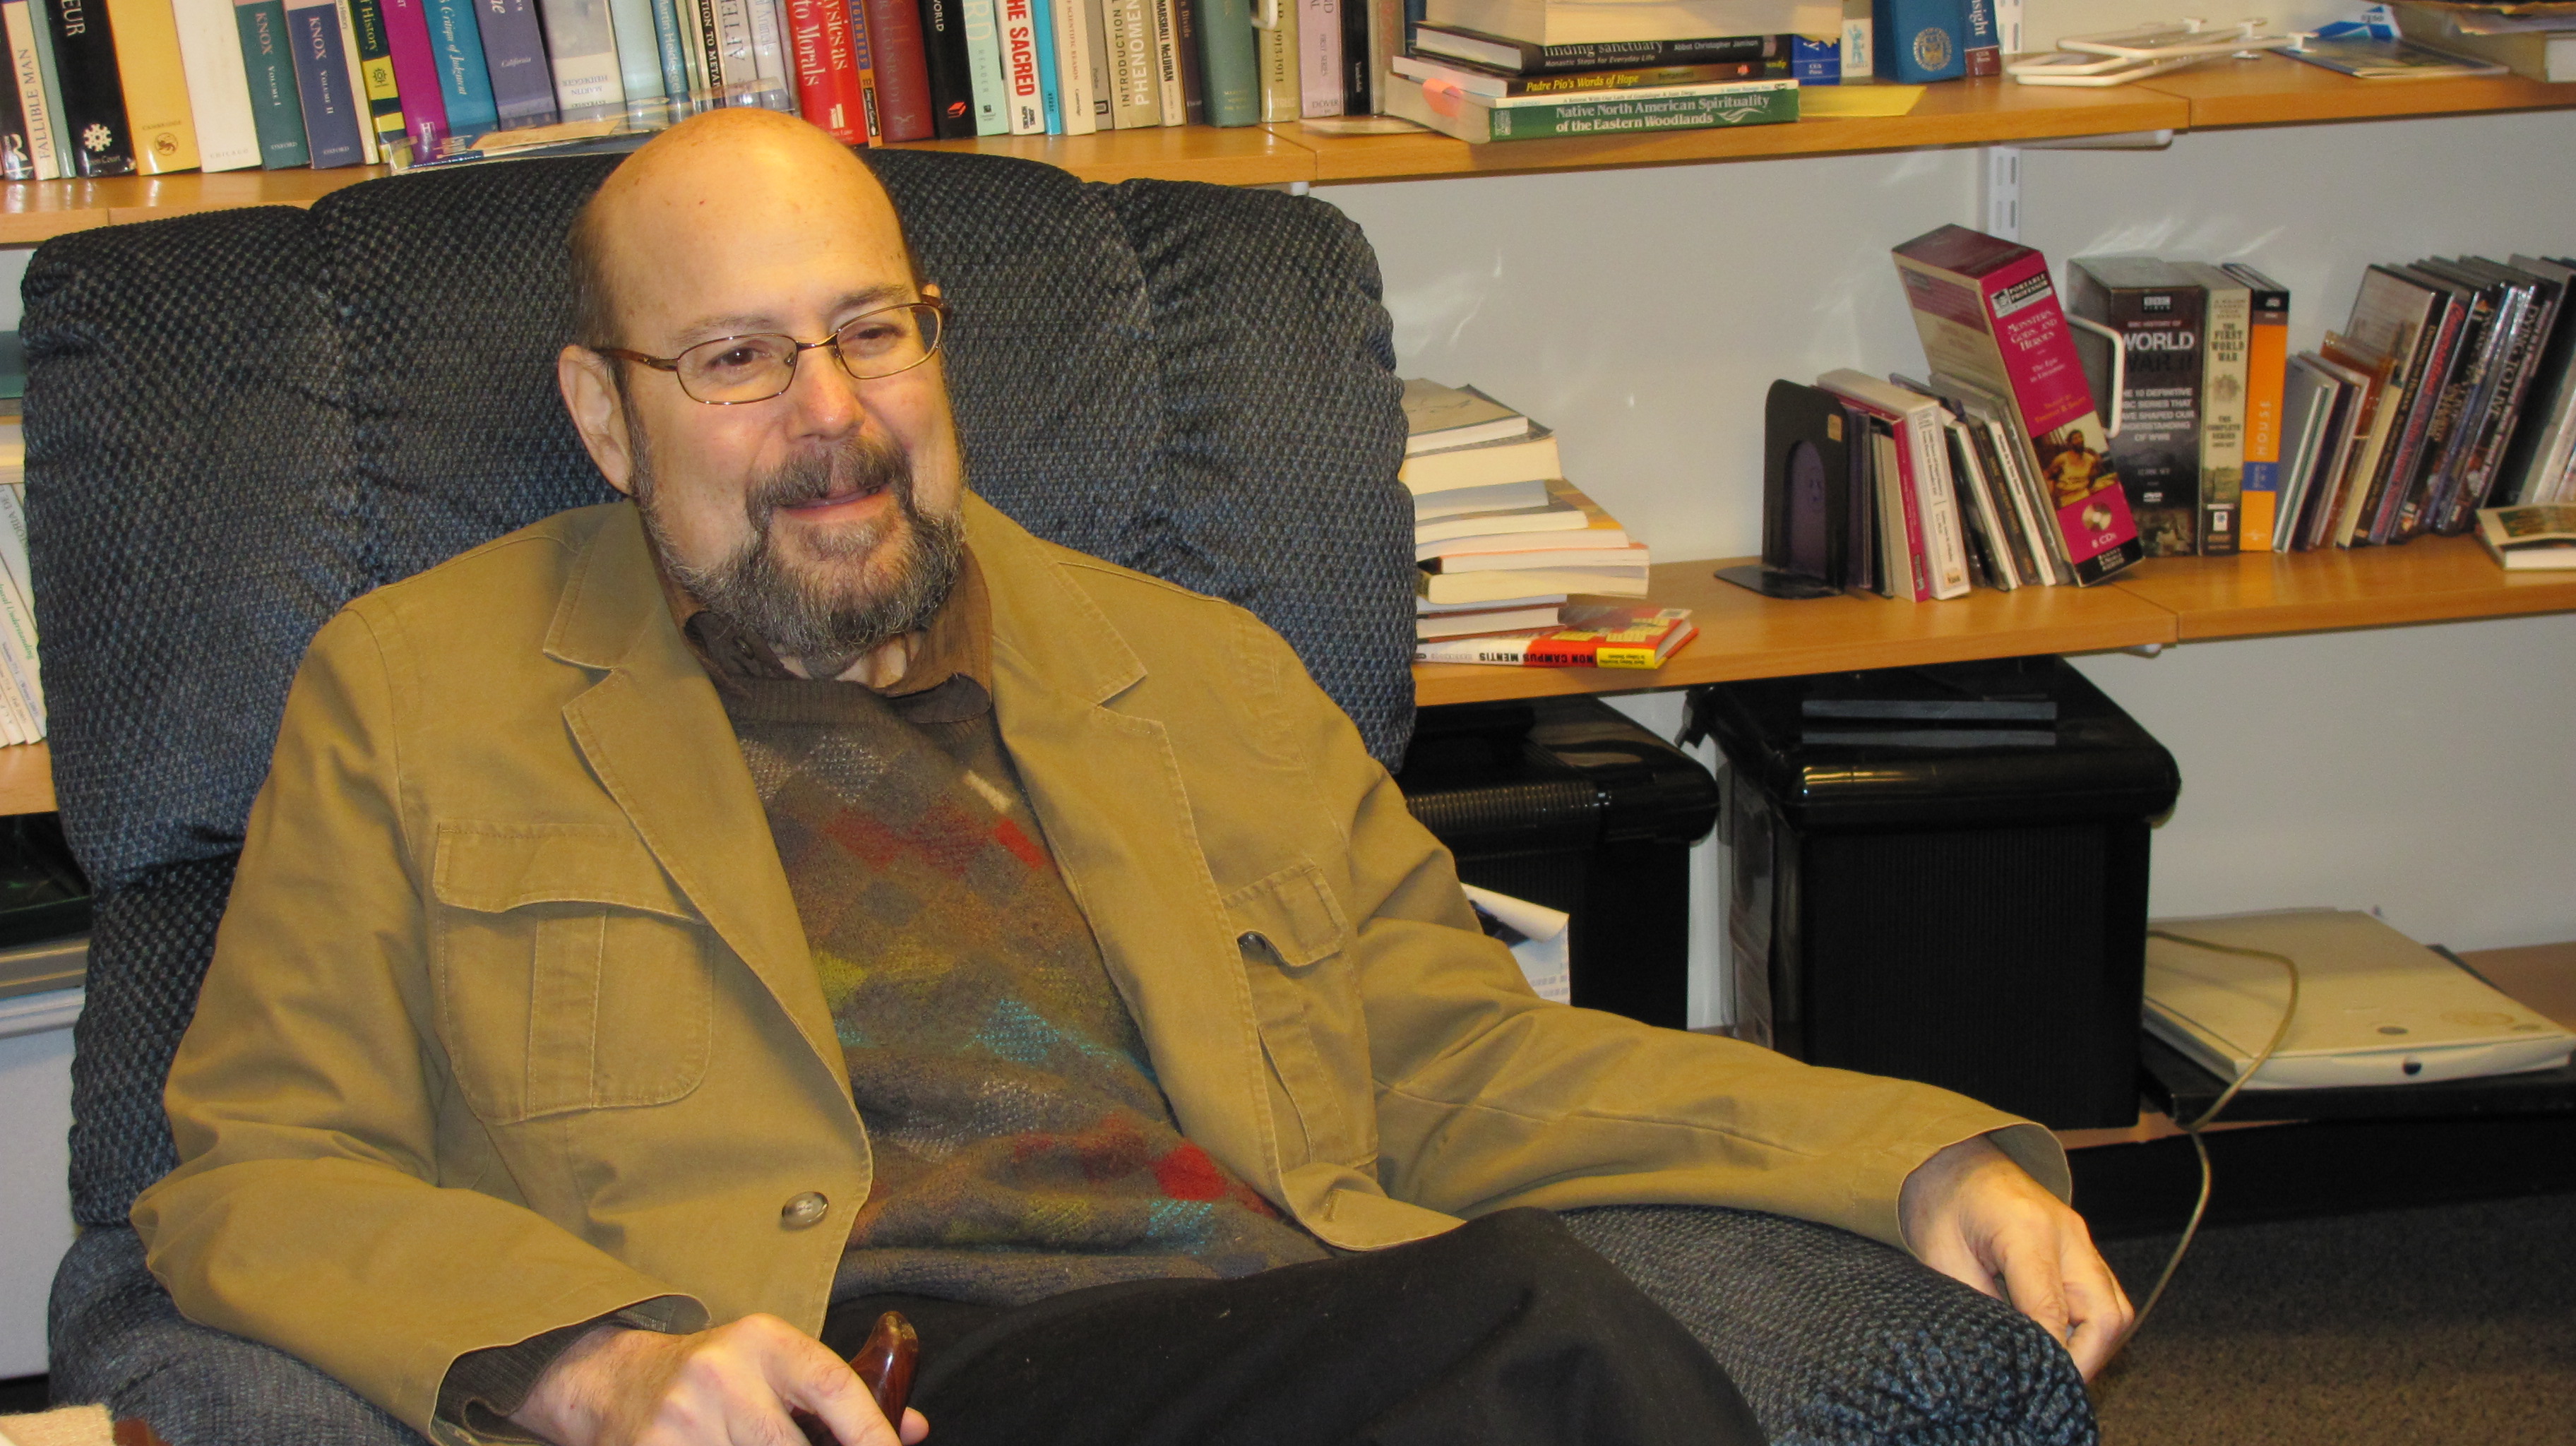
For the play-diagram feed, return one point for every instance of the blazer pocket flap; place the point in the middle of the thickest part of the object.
(1294, 912)
(493, 868)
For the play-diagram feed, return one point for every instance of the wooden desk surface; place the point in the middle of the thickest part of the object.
(2272, 90)
(2432, 579)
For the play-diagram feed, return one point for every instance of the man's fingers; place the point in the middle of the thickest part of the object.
(807, 1376)
(2101, 1310)
(2034, 1279)
(1948, 1253)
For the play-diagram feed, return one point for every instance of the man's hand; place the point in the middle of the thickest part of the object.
(730, 1386)
(1973, 1215)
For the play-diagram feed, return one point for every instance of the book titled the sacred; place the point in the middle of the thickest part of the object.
(1989, 316)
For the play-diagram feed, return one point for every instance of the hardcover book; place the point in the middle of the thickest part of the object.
(93, 102)
(1228, 62)
(155, 82)
(639, 58)
(827, 72)
(465, 82)
(1988, 315)
(581, 53)
(1075, 98)
(903, 69)
(376, 78)
(2157, 315)
(1486, 81)
(334, 118)
(1477, 119)
(514, 52)
(1522, 57)
(416, 77)
(1919, 41)
(46, 143)
(1319, 57)
(276, 104)
(2267, 359)
(951, 74)
(218, 86)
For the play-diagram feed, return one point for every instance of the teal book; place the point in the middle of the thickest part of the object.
(1229, 63)
(276, 113)
(1042, 20)
(458, 43)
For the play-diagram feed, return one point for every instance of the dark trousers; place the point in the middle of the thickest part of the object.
(1504, 1332)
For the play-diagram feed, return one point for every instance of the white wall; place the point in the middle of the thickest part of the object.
(2429, 771)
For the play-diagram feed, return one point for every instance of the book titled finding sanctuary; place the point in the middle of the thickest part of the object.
(1477, 118)
(1988, 315)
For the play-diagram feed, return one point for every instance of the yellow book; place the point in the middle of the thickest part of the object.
(156, 87)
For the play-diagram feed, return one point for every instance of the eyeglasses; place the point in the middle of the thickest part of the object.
(732, 370)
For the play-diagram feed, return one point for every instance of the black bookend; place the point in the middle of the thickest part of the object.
(1806, 472)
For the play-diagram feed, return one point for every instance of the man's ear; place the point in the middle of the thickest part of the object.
(598, 412)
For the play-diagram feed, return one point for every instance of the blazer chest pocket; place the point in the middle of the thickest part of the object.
(571, 974)
(1293, 935)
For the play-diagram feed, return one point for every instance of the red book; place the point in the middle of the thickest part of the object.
(827, 69)
(903, 69)
(1594, 637)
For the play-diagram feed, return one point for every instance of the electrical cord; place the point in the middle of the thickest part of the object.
(2191, 1131)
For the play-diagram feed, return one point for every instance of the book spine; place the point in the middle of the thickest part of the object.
(1534, 59)
(66, 161)
(94, 109)
(2157, 453)
(1185, 51)
(730, 66)
(903, 70)
(1319, 57)
(1228, 63)
(333, 131)
(952, 81)
(827, 76)
(984, 65)
(1027, 103)
(639, 57)
(2226, 374)
(367, 146)
(44, 138)
(514, 52)
(17, 156)
(2003, 330)
(218, 89)
(155, 84)
(2524, 361)
(2414, 427)
(705, 49)
(1358, 96)
(1506, 651)
(1050, 96)
(1134, 102)
(1095, 57)
(1619, 114)
(1072, 67)
(2455, 417)
(424, 109)
(1935, 494)
(774, 78)
(581, 54)
(1910, 482)
(671, 57)
(1983, 52)
(276, 105)
(2267, 363)
(863, 52)
(1278, 35)
(464, 81)
(377, 78)
(1168, 100)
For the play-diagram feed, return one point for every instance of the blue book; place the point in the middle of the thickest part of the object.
(463, 82)
(1979, 48)
(1815, 62)
(514, 52)
(674, 61)
(327, 83)
(1918, 41)
(1041, 19)
(276, 106)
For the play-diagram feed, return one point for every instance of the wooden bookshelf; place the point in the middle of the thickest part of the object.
(26, 779)
(2263, 91)
(2270, 90)
(2162, 600)
(1964, 113)
(2432, 579)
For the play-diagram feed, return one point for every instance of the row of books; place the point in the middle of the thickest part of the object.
(22, 696)
(2448, 388)
(1504, 545)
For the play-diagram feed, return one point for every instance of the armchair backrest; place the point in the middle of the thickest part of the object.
(238, 421)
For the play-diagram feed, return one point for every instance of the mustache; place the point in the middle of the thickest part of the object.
(860, 467)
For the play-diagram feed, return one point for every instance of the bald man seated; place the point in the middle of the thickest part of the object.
(676, 932)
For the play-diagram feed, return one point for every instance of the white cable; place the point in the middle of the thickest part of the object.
(2191, 1131)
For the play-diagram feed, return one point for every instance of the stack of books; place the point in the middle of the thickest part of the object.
(1502, 540)
(22, 697)
(1500, 70)
(2538, 41)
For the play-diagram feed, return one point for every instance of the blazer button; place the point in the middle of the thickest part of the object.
(803, 1210)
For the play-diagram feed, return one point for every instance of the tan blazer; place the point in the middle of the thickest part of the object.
(511, 1022)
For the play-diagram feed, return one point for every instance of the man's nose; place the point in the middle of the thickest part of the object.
(824, 396)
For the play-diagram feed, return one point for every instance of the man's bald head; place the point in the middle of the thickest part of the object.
(725, 173)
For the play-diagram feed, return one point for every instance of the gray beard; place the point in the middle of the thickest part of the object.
(823, 616)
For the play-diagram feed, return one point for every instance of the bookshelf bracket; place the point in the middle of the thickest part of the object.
(1999, 192)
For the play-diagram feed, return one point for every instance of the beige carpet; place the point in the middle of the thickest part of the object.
(2448, 1326)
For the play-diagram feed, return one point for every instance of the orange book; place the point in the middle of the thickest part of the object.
(2267, 364)
(156, 85)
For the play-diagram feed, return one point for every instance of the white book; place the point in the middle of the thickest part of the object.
(218, 86)
(1470, 621)
(1424, 607)
(982, 19)
(1504, 526)
(1499, 497)
(24, 693)
(1073, 66)
(1319, 58)
(769, 56)
(44, 135)
(639, 54)
(1020, 61)
(581, 49)
(739, 80)
(1104, 92)
(1495, 588)
(1136, 100)
(1945, 549)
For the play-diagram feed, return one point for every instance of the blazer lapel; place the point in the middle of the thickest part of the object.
(661, 745)
(1108, 791)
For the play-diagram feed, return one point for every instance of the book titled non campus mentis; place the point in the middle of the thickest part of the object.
(1592, 637)
(1477, 119)
(1490, 81)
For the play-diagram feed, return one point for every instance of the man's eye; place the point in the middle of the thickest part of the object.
(738, 358)
(872, 336)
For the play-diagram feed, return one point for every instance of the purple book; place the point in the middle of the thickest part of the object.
(514, 50)
(416, 76)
